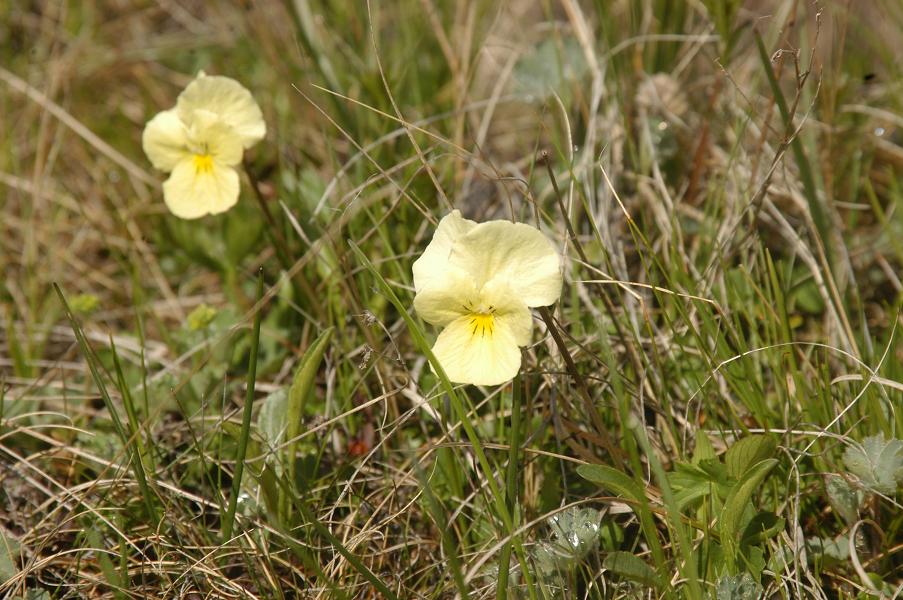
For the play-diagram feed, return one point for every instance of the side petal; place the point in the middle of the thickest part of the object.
(192, 192)
(229, 100)
(433, 266)
(441, 304)
(470, 353)
(515, 254)
(165, 140)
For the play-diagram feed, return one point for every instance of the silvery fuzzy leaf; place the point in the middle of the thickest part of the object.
(878, 463)
(844, 498)
(738, 587)
(575, 532)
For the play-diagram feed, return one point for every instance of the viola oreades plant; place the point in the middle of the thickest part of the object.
(478, 281)
(200, 142)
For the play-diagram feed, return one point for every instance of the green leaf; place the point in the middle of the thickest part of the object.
(844, 499)
(737, 500)
(302, 383)
(763, 526)
(630, 567)
(703, 450)
(9, 556)
(625, 486)
(271, 423)
(878, 463)
(550, 66)
(692, 482)
(835, 549)
(613, 480)
(747, 452)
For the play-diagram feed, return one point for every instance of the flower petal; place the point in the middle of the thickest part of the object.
(509, 310)
(165, 140)
(442, 304)
(214, 137)
(470, 353)
(194, 190)
(515, 254)
(227, 99)
(433, 268)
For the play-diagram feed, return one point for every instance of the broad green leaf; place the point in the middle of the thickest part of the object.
(836, 549)
(746, 452)
(739, 496)
(273, 418)
(9, 554)
(630, 567)
(762, 526)
(549, 67)
(613, 480)
(305, 375)
(878, 463)
(626, 487)
(703, 450)
(691, 482)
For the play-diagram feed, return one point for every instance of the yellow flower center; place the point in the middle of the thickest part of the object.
(203, 163)
(481, 323)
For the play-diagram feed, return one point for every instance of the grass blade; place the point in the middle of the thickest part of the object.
(229, 519)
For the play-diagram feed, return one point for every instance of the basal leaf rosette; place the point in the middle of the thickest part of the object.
(478, 282)
(200, 143)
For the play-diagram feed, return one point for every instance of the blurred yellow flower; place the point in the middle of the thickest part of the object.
(478, 282)
(201, 141)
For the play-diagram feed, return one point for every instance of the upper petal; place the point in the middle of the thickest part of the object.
(229, 100)
(515, 254)
(433, 268)
(165, 140)
(195, 190)
(473, 354)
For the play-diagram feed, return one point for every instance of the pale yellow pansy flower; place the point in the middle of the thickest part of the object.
(478, 281)
(201, 141)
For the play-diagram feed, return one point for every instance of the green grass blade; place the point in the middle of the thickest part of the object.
(229, 518)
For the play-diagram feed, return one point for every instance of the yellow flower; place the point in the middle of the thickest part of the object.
(201, 141)
(478, 281)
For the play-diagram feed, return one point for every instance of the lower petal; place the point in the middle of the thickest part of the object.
(478, 352)
(194, 190)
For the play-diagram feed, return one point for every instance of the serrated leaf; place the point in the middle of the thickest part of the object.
(878, 463)
(630, 567)
(844, 499)
(748, 451)
(574, 533)
(738, 587)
